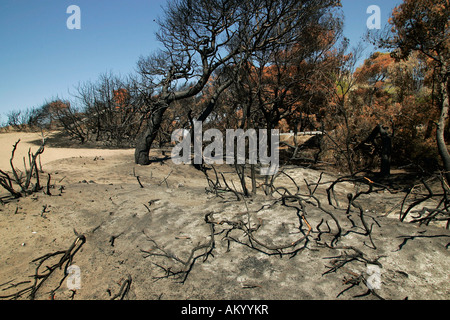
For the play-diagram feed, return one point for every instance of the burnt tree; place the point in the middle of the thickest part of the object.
(200, 37)
(423, 26)
(384, 148)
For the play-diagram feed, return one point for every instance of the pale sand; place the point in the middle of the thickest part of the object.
(50, 154)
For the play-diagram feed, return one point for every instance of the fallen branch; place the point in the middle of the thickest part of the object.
(40, 278)
(188, 264)
(48, 184)
(124, 289)
(339, 262)
(165, 179)
(137, 178)
(407, 238)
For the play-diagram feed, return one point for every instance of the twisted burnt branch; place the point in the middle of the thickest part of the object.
(425, 212)
(18, 179)
(187, 265)
(41, 277)
(340, 262)
(255, 243)
(407, 238)
(124, 289)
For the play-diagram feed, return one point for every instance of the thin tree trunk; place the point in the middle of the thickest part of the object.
(442, 147)
(386, 149)
(253, 177)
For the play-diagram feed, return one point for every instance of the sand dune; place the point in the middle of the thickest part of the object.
(33, 139)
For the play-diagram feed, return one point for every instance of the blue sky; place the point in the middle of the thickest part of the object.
(41, 59)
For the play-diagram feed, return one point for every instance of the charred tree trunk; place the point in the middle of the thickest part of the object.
(385, 149)
(220, 37)
(144, 142)
(442, 146)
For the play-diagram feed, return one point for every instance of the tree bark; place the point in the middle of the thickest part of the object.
(385, 150)
(144, 142)
(442, 146)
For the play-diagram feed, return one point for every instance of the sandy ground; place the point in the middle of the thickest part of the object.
(32, 141)
(96, 194)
